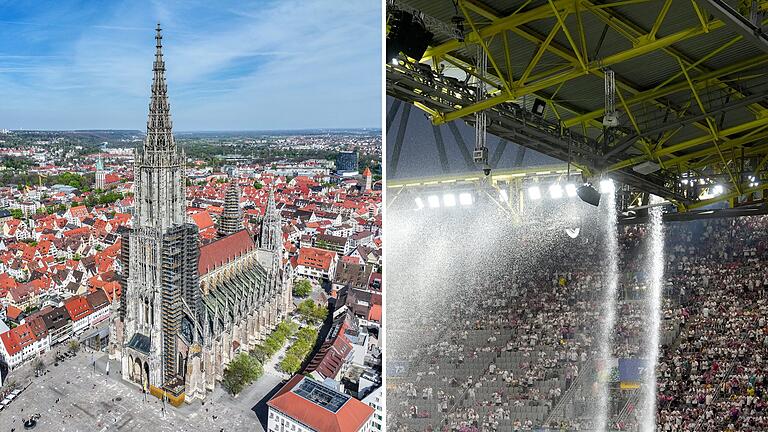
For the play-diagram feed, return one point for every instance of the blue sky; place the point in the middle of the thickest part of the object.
(231, 65)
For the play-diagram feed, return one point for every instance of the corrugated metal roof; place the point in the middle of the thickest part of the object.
(674, 114)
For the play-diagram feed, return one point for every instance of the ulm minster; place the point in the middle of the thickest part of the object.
(186, 309)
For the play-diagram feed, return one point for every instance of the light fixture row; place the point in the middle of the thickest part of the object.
(557, 191)
(448, 200)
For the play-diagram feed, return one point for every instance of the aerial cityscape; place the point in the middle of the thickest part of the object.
(190, 280)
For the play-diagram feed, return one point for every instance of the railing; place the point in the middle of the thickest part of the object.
(570, 391)
(634, 402)
(716, 396)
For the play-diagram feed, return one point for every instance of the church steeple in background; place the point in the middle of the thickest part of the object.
(271, 226)
(231, 220)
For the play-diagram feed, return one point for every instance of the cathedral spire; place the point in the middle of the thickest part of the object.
(231, 220)
(159, 134)
(271, 226)
(159, 167)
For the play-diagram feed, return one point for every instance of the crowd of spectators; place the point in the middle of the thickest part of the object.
(505, 347)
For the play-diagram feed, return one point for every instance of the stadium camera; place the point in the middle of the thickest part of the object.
(487, 170)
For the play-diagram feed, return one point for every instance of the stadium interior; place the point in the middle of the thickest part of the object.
(576, 213)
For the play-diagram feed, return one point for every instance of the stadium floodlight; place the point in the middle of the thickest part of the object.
(395, 62)
(606, 186)
(717, 190)
(570, 190)
(419, 203)
(433, 201)
(534, 193)
(449, 200)
(589, 195)
(465, 198)
(408, 35)
(555, 191)
(503, 195)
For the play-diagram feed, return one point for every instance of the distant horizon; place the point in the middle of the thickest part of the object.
(299, 129)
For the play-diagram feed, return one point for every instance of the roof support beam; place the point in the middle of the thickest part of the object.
(660, 19)
(498, 26)
(739, 23)
(634, 33)
(546, 43)
(701, 80)
(642, 48)
(398, 147)
(628, 141)
(694, 143)
(441, 149)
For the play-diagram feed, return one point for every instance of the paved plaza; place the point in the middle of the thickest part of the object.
(72, 397)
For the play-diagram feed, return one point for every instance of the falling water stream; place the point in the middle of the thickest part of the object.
(605, 333)
(655, 262)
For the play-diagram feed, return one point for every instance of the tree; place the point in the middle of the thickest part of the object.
(321, 313)
(275, 340)
(290, 364)
(302, 288)
(260, 353)
(17, 214)
(257, 185)
(241, 371)
(310, 312)
(74, 345)
(39, 365)
(307, 334)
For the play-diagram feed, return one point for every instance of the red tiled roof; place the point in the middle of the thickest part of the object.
(17, 339)
(375, 313)
(330, 358)
(11, 342)
(78, 308)
(7, 282)
(79, 211)
(316, 258)
(13, 312)
(202, 220)
(22, 292)
(112, 290)
(351, 417)
(76, 231)
(37, 325)
(220, 251)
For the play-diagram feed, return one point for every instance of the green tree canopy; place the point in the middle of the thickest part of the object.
(312, 313)
(302, 288)
(241, 371)
(290, 364)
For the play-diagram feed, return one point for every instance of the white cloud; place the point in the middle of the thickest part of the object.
(255, 66)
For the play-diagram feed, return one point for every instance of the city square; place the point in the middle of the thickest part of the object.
(85, 398)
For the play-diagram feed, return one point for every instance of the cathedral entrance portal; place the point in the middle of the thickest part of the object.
(145, 377)
(139, 372)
